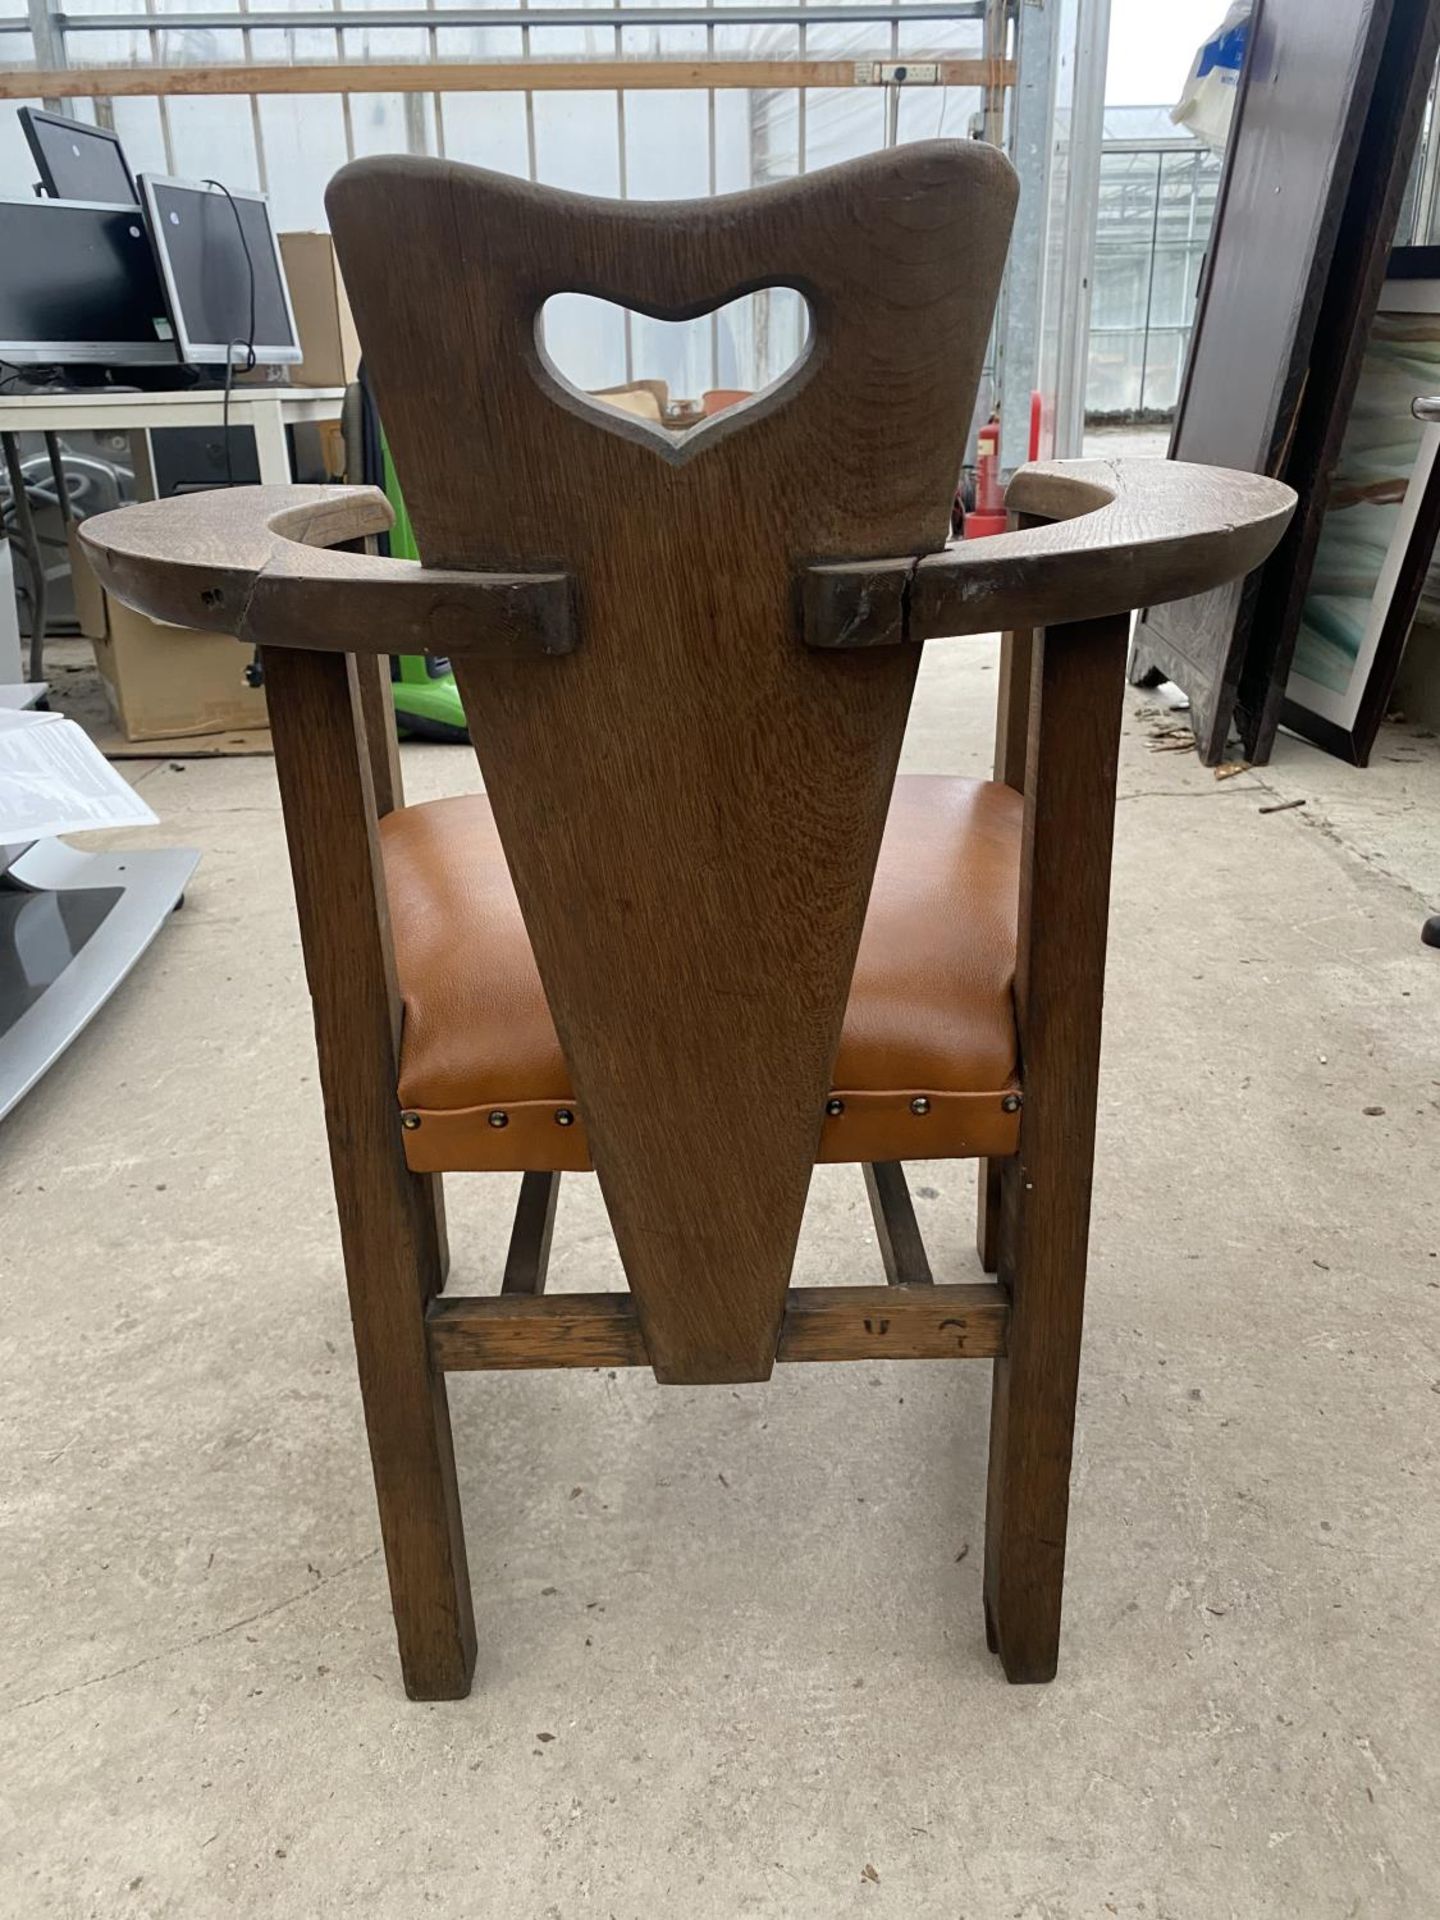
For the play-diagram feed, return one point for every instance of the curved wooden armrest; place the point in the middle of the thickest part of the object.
(1123, 534)
(257, 562)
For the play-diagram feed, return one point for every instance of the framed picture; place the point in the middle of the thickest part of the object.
(1381, 526)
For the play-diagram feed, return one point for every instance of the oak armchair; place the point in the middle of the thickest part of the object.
(695, 935)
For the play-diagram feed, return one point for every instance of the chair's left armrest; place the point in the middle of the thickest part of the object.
(1120, 534)
(259, 562)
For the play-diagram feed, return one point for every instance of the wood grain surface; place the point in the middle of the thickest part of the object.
(1012, 737)
(964, 1321)
(375, 695)
(528, 1260)
(471, 76)
(691, 803)
(262, 563)
(391, 1230)
(377, 709)
(1045, 1205)
(1107, 535)
(902, 1246)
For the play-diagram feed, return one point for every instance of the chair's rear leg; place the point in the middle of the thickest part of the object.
(437, 1233)
(987, 1213)
(902, 1247)
(391, 1223)
(527, 1263)
(1045, 1202)
(1012, 745)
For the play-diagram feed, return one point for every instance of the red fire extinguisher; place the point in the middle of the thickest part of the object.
(987, 516)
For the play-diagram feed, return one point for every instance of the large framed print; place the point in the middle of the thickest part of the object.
(1380, 527)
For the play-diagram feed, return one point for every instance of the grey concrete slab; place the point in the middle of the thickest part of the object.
(732, 1661)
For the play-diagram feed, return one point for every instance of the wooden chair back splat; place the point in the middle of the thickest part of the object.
(691, 802)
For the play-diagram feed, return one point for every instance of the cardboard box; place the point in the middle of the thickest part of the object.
(165, 680)
(88, 594)
(322, 312)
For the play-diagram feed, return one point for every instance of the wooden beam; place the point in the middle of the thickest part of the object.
(391, 1231)
(1012, 732)
(377, 708)
(528, 1260)
(919, 1322)
(1074, 740)
(902, 1248)
(895, 1323)
(536, 1330)
(472, 76)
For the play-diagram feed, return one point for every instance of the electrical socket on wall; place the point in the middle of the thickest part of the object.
(897, 73)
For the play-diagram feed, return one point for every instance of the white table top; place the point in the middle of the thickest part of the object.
(19, 411)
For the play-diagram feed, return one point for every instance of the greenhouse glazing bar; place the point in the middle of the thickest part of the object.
(835, 14)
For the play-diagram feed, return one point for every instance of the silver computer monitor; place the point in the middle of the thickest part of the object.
(213, 248)
(78, 285)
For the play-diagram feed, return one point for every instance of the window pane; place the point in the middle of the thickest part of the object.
(1113, 381)
(488, 130)
(138, 123)
(577, 141)
(667, 145)
(585, 338)
(1164, 363)
(304, 135)
(212, 139)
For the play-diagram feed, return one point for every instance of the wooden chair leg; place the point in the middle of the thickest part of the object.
(1045, 1210)
(902, 1247)
(987, 1213)
(1012, 739)
(437, 1256)
(391, 1225)
(377, 719)
(527, 1262)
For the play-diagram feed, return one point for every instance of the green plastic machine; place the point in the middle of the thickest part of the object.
(427, 701)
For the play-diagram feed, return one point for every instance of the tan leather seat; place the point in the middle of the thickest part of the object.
(930, 1016)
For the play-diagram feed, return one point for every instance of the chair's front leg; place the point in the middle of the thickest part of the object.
(391, 1229)
(1045, 1214)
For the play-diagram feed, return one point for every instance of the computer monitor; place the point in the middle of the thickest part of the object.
(208, 244)
(76, 162)
(78, 285)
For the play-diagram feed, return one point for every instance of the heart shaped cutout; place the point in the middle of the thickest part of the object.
(670, 383)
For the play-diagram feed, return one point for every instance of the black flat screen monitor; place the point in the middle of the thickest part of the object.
(76, 162)
(78, 285)
(208, 243)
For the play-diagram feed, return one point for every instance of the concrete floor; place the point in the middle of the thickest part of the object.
(732, 1660)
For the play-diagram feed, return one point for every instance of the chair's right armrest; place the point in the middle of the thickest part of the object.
(1118, 534)
(259, 562)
